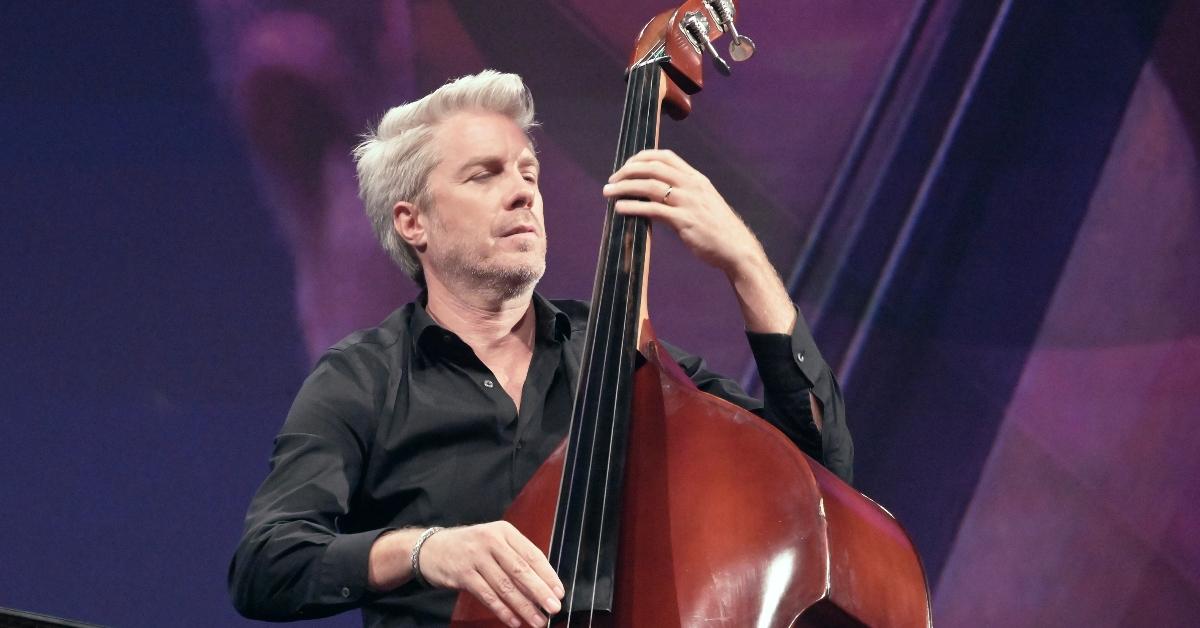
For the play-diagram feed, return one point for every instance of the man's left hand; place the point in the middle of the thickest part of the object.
(660, 185)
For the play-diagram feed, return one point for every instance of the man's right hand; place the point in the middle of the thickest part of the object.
(493, 561)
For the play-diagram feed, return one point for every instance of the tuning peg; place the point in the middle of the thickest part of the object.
(741, 47)
(697, 29)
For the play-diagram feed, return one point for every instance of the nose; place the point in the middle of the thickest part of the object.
(522, 194)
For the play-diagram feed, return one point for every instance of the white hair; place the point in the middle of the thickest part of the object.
(394, 160)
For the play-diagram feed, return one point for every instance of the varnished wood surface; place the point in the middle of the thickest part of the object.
(726, 523)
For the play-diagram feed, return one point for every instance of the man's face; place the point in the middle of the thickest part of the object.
(486, 226)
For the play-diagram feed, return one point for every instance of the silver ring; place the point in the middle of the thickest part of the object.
(668, 194)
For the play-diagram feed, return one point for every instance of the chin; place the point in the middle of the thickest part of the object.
(531, 260)
(510, 277)
(513, 282)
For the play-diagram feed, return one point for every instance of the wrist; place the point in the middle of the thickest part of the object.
(388, 563)
(415, 555)
(750, 267)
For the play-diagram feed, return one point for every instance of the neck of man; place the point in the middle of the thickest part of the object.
(486, 319)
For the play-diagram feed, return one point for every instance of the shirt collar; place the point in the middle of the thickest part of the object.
(553, 325)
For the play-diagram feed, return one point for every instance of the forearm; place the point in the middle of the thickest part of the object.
(766, 306)
(764, 302)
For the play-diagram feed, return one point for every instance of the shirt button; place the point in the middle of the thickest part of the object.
(489, 383)
(800, 357)
(345, 591)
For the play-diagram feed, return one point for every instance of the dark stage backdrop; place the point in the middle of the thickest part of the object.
(989, 210)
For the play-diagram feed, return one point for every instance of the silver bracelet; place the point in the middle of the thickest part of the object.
(416, 554)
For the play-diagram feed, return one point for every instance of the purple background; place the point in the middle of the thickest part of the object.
(989, 210)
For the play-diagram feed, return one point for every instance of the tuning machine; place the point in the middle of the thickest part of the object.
(695, 26)
(740, 47)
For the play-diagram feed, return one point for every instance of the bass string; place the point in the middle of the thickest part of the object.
(586, 390)
(590, 354)
(636, 252)
(640, 99)
(606, 311)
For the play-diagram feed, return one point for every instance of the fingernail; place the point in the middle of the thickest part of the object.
(552, 605)
(607, 187)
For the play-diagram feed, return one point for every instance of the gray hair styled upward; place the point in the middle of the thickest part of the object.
(395, 160)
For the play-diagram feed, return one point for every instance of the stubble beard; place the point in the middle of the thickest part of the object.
(504, 281)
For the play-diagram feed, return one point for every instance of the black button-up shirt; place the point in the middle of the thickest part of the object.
(403, 426)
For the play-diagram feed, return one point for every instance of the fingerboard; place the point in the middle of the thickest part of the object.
(583, 549)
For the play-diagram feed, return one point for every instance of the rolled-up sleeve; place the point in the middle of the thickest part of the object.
(294, 561)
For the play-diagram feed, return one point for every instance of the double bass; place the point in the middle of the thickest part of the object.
(666, 506)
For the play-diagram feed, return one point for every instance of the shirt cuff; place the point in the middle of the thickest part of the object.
(788, 363)
(344, 567)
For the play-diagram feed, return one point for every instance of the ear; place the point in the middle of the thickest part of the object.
(409, 223)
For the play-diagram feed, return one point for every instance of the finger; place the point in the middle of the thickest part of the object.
(673, 216)
(666, 157)
(483, 591)
(643, 169)
(534, 557)
(642, 188)
(522, 573)
(511, 594)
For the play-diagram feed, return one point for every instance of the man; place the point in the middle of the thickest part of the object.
(408, 441)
